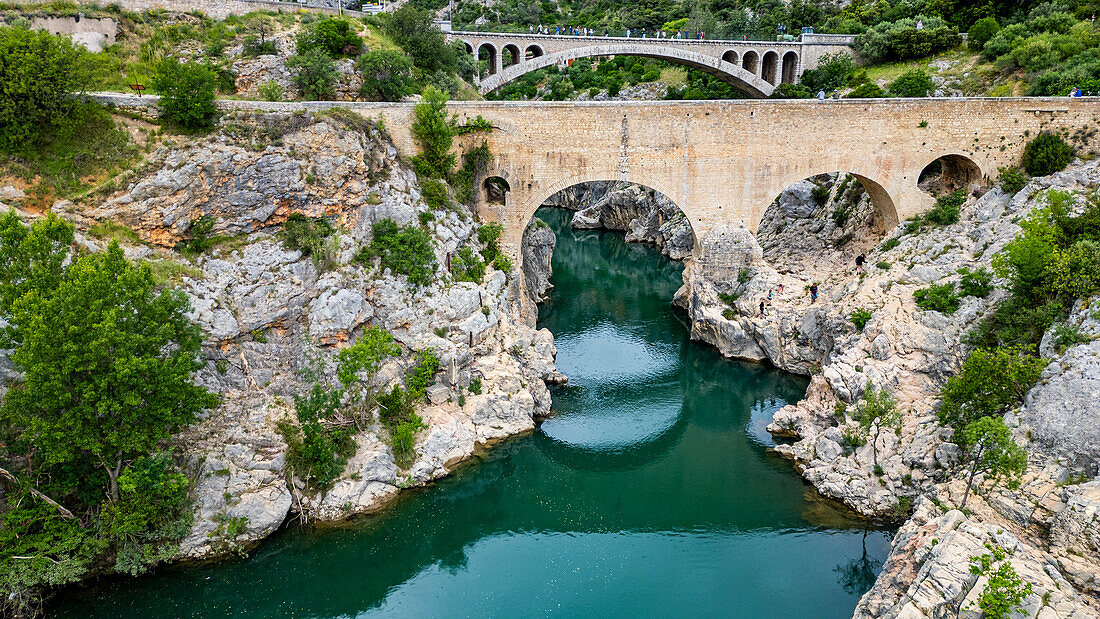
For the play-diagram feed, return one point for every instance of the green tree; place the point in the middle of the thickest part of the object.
(983, 30)
(366, 355)
(37, 78)
(878, 409)
(990, 383)
(434, 130)
(31, 258)
(415, 31)
(993, 451)
(1004, 591)
(387, 75)
(186, 92)
(832, 72)
(107, 364)
(404, 250)
(912, 83)
(314, 74)
(333, 36)
(867, 91)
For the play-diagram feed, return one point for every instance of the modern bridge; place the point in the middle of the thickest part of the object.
(754, 67)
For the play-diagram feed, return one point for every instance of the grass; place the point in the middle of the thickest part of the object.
(674, 75)
(113, 231)
(171, 273)
(88, 149)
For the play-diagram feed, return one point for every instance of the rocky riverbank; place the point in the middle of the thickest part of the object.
(273, 318)
(811, 235)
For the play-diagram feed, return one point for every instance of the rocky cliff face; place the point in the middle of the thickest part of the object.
(274, 319)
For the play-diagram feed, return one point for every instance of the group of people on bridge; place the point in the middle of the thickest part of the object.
(590, 32)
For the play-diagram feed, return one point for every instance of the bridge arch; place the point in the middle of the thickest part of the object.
(750, 62)
(769, 67)
(948, 173)
(490, 52)
(741, 79)
(790, 67)
(510, 55)
(730, 56)
(533, 51)
(874, 182)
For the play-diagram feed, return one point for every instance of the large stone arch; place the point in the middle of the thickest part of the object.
(533, 51)
(790, 67)
(734, 75)
(513, 52)
(769, 67)
(493, 54)
(750, 62)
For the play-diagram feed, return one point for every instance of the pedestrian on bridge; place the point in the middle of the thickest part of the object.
(821, 95)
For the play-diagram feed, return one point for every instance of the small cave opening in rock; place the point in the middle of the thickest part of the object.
(644, 214)
(821, 223)
(949, 173)
(496, 189)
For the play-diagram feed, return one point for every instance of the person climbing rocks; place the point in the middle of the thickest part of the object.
(860, 259)
(762, 307)
(813, 293)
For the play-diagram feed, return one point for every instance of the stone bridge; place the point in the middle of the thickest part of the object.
(724, 162)
(755, 67)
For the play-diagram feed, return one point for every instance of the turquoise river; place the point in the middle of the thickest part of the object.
(648, 493)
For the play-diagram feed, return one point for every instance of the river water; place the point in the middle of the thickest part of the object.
(649, 492)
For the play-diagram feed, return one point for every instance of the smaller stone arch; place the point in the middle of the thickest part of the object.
(532, 52)
(751, 62)
(487, 52)
(469, 48)
(496, 189)
(790, 67)
(511, 55)
(769, 67)
(730, 56)
(949, 173)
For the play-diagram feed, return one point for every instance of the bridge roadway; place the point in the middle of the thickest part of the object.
(755, 67)
(724, 162)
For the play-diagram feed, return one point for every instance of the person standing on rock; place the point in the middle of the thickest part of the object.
(860, 260)
(762, 308)
(813, 293)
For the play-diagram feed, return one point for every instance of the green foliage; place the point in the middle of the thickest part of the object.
(305, 234)
(941, 298)
(434, 131)
(889, 244)
(271, 91)
(397, 407)
(387, 75)
(474, 163)
(475, 386)
(186, 92)
(314, 74)
(255, 46)
(867, 91)
(405, 251)
(333, 36)
(902, 40)
(831, 73)
(467, 266)
(1066, 336)
(1046, 154)
(859, 317)
(200, 240)
(153, 511)
(946, 210)
(415, 31)
(982, 31)
(1012, 180)
(366, 355)
(976, 283)
(878, 409)
(743, 276)
(318, 451)
(990, 383)
(31, 258)
(427, 364)
(993, 451)
(1005, 591)
(912, 83)
(791, 91)
(37, 79)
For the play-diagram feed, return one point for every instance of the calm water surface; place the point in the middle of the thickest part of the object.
(648, 493)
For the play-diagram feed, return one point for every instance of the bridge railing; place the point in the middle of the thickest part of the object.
(688, 38)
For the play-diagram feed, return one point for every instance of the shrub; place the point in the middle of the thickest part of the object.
(976, 283)
(791, 91)
(912, 83)
(305, 234)
(186, 92)
(475, 386)
(1012, 180)
(1005, 592)
(271, 91)
(414, 30)
(832, 72)
(314, 74)
(434, 192)
(254, 46)
(946, 210)
(366, 355)
(200, 240)
(387, 75)
(859, 317)
(939, 298)
(821, 193)
(434, 132)
(37, 78)
(902, 40)
(405, 251)
(1046, 154)
(335, 37)
(1066, 336)
(990, 383)
(889, 244)
(982, 31)
(867, 91)
(318, 453)
(427, 364)
(884, 265)
(467, 266)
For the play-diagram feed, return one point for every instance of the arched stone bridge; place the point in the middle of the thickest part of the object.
(755, 67)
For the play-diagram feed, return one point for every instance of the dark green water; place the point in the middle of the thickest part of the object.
(648, 493)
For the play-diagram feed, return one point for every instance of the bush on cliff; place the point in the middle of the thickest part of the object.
(37, 78)
(1047, 154)
(387, 75)
(333, 36)
(913, 83)
(186, 92)
(314, 74)
(404, 250)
